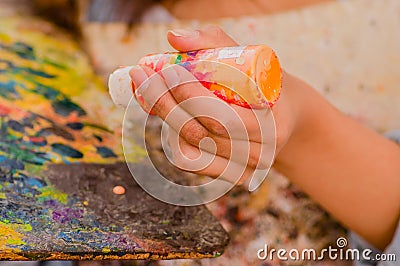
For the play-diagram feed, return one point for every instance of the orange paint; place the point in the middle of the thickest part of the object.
(249, 76)
(119, 190)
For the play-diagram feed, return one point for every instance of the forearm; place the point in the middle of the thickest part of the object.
(353, 172)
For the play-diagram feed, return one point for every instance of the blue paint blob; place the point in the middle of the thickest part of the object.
(105, 152)
(65, 107)
(15, 125)
(9, 163)
(7, 90)
(23, 50)
(76, 126)
(65, 150)
(186, 65)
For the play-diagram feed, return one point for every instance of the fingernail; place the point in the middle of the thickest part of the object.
(171, 77)
(184, 33)
(133, 86)
(143, 86)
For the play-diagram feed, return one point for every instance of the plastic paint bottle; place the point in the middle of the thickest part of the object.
(249, 76)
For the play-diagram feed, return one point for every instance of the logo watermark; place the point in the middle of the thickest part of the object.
(145, 172)
(339, 252)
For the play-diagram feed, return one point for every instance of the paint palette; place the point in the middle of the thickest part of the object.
(61, 157)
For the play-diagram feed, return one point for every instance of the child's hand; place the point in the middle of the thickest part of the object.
(348, 169)
(195, 136)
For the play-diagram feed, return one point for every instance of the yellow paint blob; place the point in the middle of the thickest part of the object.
(10, 235)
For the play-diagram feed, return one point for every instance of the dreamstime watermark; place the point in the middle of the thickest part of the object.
(340, 252)
(145, 172)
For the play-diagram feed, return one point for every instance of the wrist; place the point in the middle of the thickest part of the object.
(291, 112)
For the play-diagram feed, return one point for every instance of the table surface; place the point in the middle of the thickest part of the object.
(61, 156)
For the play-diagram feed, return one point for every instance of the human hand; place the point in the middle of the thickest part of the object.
(200, 144)
(325, 153)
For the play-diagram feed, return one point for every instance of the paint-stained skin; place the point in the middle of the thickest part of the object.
(46, 95)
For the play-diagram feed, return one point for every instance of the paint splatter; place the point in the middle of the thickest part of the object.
(65, 150)
(50, 115)
(119, 190)
(42, 122)
(105, 152)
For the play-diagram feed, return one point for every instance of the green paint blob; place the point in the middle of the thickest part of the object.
(49, 192)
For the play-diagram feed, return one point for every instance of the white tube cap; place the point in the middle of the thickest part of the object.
(120, 86)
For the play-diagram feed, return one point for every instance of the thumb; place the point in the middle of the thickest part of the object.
(189, 40)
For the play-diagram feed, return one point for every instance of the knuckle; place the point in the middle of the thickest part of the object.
(253, 161)
(193, 132)
(160, 105)
(217, 129)
(256, 159)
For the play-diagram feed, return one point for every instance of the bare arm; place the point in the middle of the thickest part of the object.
(353, 172)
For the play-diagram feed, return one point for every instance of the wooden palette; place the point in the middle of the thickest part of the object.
(61, 156)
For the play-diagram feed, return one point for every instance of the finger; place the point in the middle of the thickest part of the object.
(157, 97)
(189, 128)
(185, 157)
(205, 38)
(151, 91)
(221, 116)
(252, 154)
(139, 78)
(185, 86)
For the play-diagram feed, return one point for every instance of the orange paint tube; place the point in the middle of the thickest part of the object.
(248, 76)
